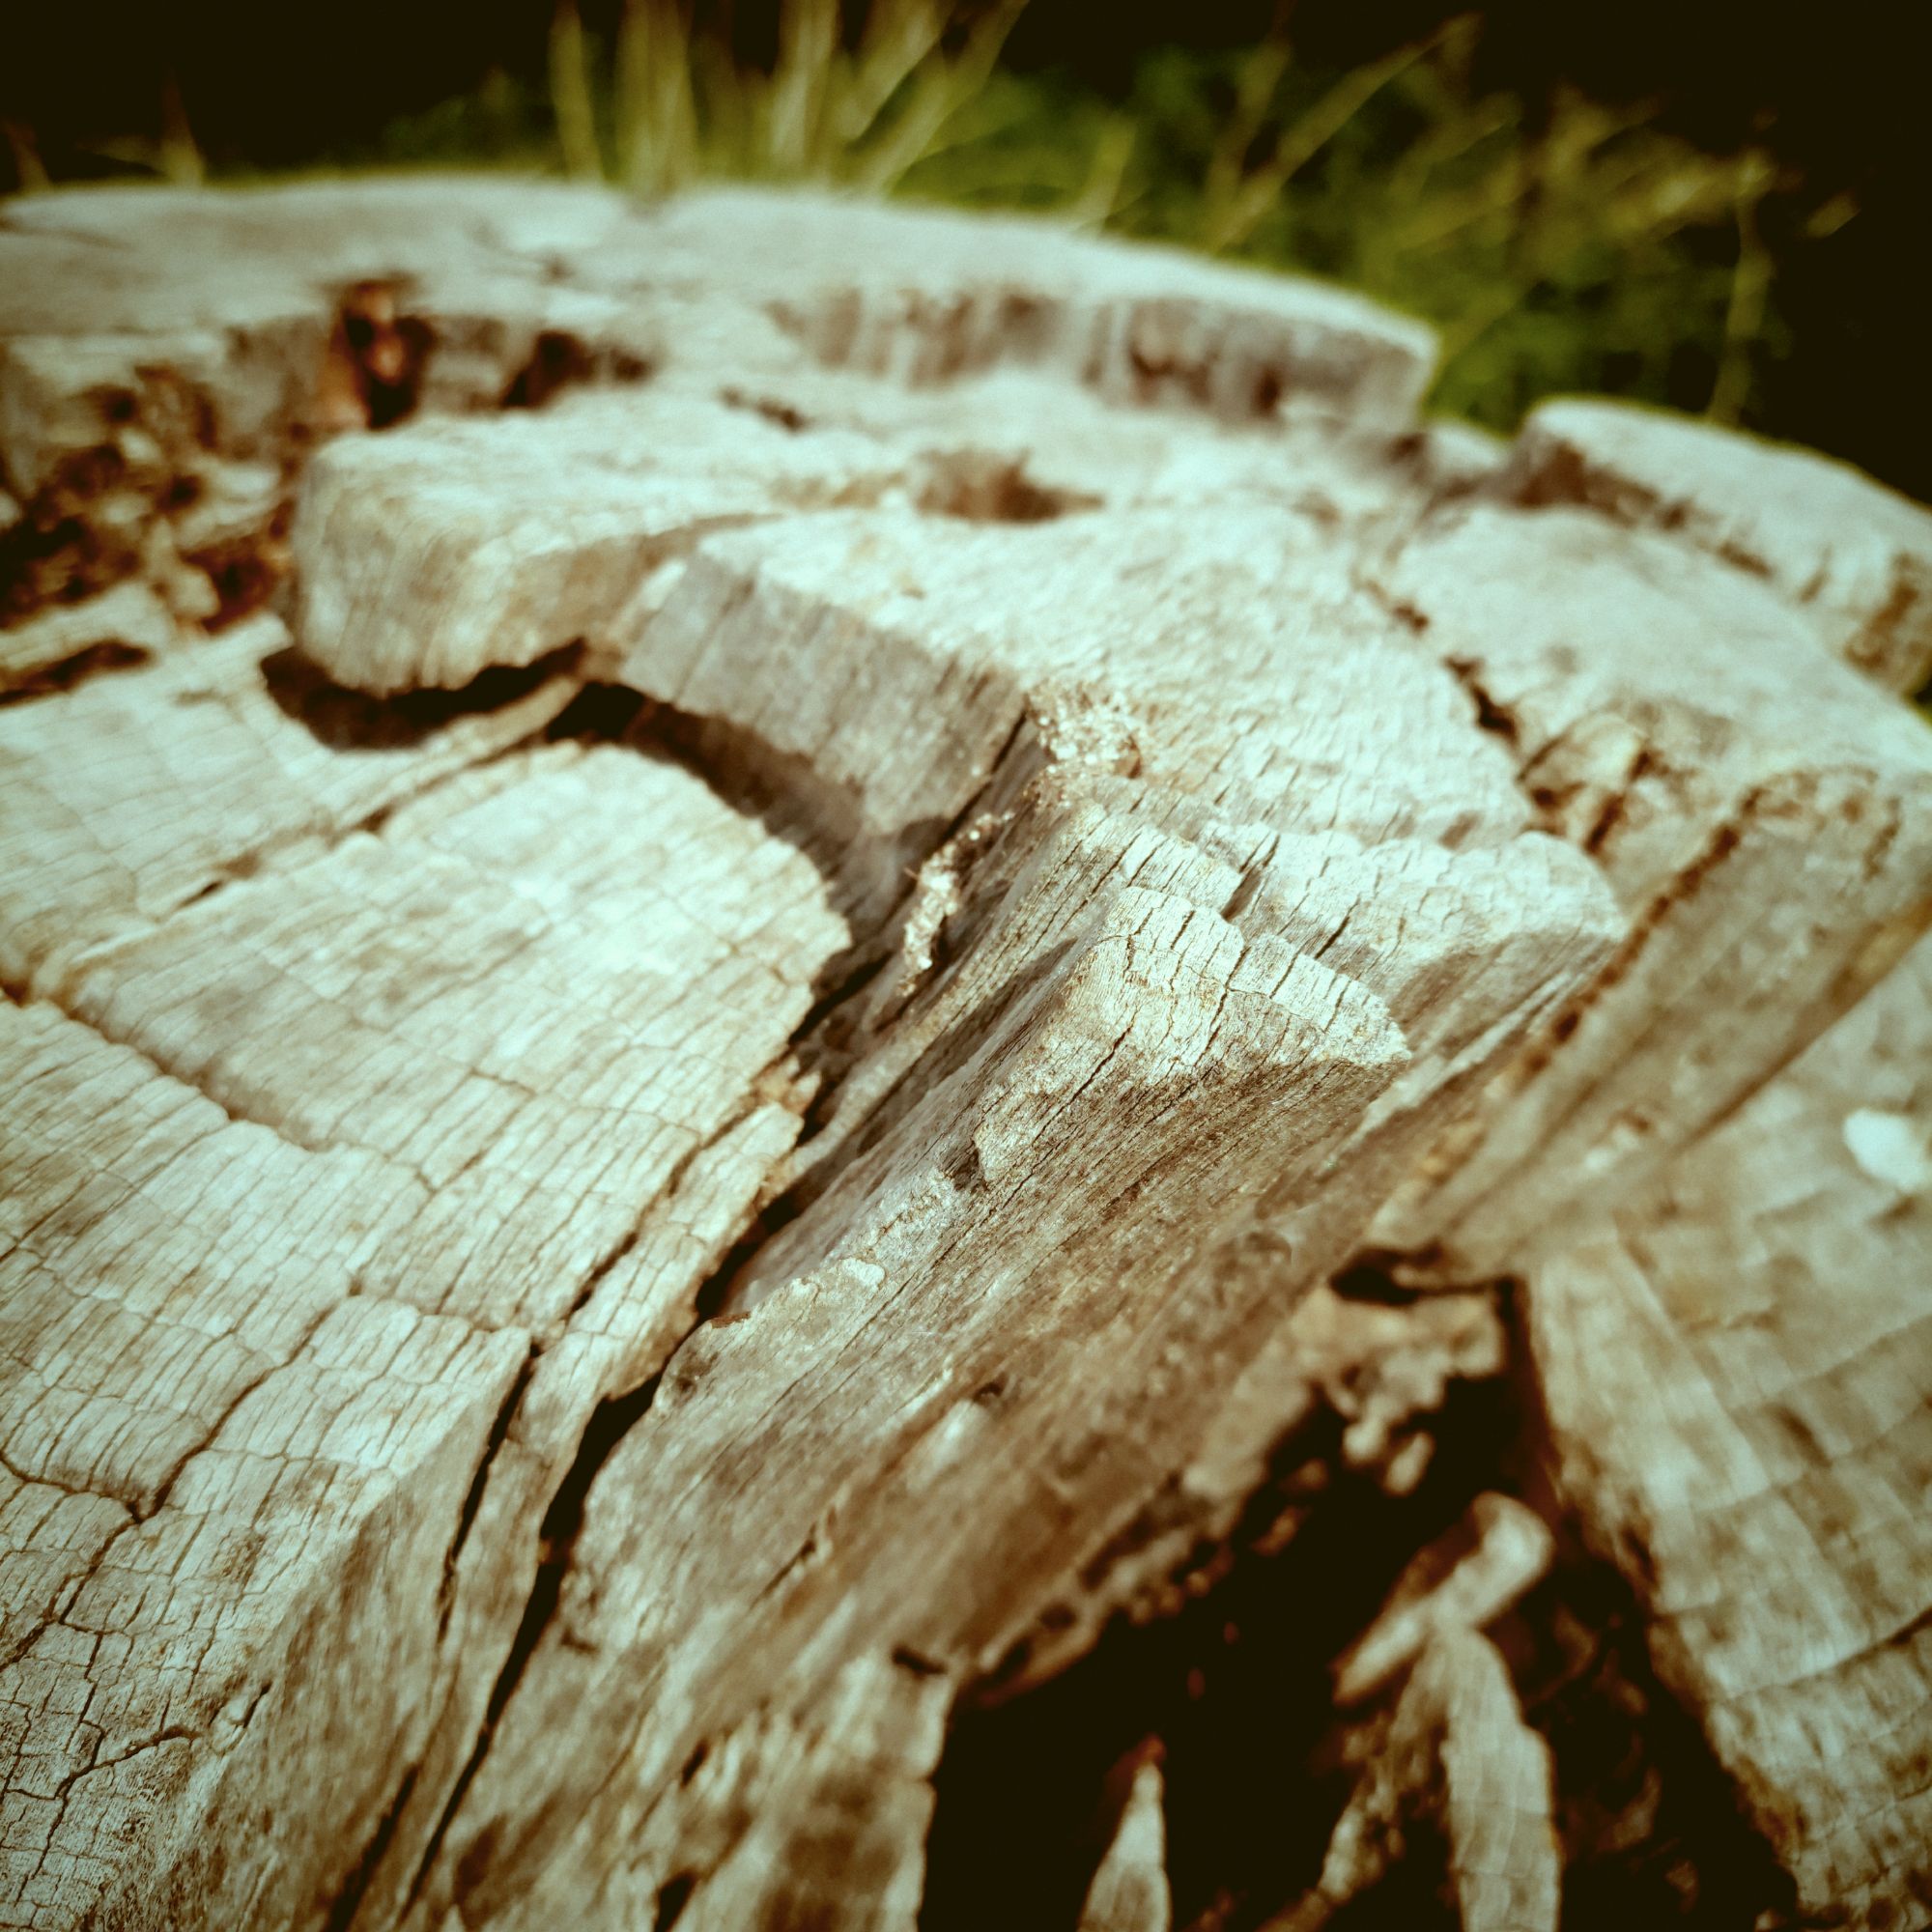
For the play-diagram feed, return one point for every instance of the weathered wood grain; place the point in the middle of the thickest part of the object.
(1454, 1753)
(166, 366)
(508, 537)
(1464, 1582)
(561, 1100)
(1097, 967)
(925, 295)
(500, 541)
(140, 791)
(234, 1483)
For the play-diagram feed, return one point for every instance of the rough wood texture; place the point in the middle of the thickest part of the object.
(863, 288)
(231, 1477)
(1464, 1582)
(871, 970)
(140, 794)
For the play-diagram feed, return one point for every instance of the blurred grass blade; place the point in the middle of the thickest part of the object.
(1262, 74)
(939, 89)
(1094, 204)
(657, 118)
(898, 36)
(1750, 293)
(1310, 132)
(177, 153)
(570, 94)
(28, 171)
(807, 55)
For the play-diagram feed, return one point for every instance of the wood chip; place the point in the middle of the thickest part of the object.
(1457, 1754)
(1463, 1582)
(1129, 1890)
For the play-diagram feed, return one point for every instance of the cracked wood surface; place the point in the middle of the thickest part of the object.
(165, 370)
(552, 1096)
(139, 793)
(232, 1493)
(984, 803)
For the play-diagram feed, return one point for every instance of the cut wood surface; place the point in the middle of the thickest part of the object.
(1764, 817)
(754, 947)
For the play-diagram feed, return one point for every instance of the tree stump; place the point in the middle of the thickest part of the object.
(766, 958)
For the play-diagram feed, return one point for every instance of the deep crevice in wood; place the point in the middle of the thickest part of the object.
(348, 1902)
(1236, 1689)
(612, 1419)
(346, 719)
(472, 1497)
(68, 672)
(1576, 1648)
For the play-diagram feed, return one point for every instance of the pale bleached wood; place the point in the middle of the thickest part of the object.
(233, 1482)
(1129, 1891)
(1738, 1368)
(532, 1047)
(562, 1093)
(1614, 737)
(924, 293)
(434, 552)
(1131, 645)
(125, 935)
(132, 261)
(430, 555)
(168, 362)
(160, 353)
(1857, 557)
(129, 619)
(1077, 450)
(1090, 975)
